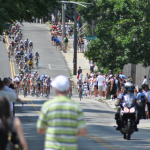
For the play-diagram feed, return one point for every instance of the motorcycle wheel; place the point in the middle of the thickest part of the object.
(128, 131)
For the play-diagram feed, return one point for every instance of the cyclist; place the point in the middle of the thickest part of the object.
(21, 53)
(9, 50)
(25, 83)
(71, 84)
(12, 46)
(17, 49)
(80, 85)
(21, 73)
(21, 46)
(30, 55)
(20, 35)
(30, 45)
(17, 57)
(16, 81)
(20, 66)
(32, 84)
(26, 45)
(48, 84)
(26, 58)
(38, 85)
(30, 63)
(37, 56)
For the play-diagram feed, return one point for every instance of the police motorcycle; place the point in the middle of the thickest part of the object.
(127, 116)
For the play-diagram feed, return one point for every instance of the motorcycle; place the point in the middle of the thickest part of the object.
(128, 117)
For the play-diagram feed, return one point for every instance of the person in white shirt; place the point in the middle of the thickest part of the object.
(67, 29)
(10, 92)
(100, 80)
(81, 76)
(145, 80)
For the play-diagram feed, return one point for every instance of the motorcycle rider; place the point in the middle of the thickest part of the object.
(125, 100)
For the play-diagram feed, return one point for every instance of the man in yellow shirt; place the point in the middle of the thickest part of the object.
(30, 63)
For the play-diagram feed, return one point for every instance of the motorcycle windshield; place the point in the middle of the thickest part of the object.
(129, 100)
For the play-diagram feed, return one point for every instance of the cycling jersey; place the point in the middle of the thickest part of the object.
(47, 82)
(32, 81)
(30, 62)
(30, 56)
(30, 44)
(80, 84)
(37, 54)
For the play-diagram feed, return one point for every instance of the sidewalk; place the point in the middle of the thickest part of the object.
(81, 60)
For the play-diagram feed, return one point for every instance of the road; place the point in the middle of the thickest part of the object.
(99, 117)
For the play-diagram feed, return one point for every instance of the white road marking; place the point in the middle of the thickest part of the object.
(57, 67)
(49, 66)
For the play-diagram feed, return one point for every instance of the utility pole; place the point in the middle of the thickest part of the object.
(93, 27)
(75, 41)
(63, 19)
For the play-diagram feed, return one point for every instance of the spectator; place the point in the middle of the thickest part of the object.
(56, 110)
(85, 44)
(70, 30)
(9, 90)
(57, 43)
(112, 87)
(81, 45)
(95, 85)
(92, 66)
(144, 80)
(79, 71)
(65, 44)
(86, 76)
(60, 39)
(100, 80)
(67, 29)
(81, 76)
(147, 93)
(117, 82)
(141, 108)
(10, 125)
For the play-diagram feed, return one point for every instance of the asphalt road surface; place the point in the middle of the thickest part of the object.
(99, 117)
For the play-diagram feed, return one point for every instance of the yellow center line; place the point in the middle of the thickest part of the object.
(31, 104)
(101, 142)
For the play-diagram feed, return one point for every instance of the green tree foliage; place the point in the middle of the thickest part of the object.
(123, 30)
(18, 10)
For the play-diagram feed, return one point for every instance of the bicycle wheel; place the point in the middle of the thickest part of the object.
(80, 95)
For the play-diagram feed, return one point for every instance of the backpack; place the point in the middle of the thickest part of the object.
(66, 40)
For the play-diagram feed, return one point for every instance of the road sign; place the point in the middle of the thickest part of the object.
(91, 37)
(148, 79)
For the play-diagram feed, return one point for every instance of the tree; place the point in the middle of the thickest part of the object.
(19, 10)
(122, 31)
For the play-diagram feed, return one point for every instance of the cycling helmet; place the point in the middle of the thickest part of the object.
(48, 77)
(32, 76)
(30, 41)
(27, 39)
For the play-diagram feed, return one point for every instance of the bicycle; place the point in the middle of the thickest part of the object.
(32, 90)
(48, 92)
(80, 93)
(36, 62)
(25, 90)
